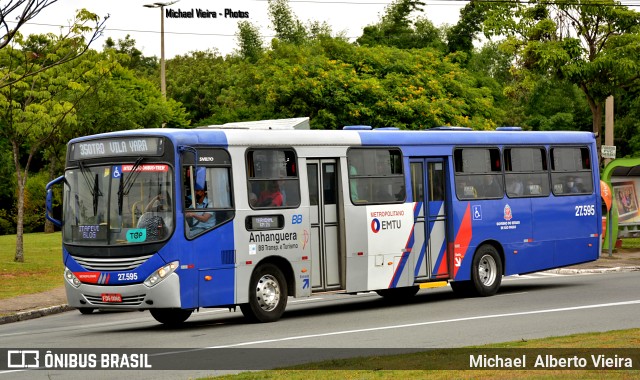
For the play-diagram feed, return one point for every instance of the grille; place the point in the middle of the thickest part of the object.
(127, 301)
(111, 264)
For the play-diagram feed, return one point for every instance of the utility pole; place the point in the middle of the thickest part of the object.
(163, 82)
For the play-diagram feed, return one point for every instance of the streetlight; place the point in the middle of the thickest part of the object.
(163, 83)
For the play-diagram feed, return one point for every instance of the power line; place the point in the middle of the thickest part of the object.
(429, 2)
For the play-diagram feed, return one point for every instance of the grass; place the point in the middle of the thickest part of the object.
(371, 367)
(631, 243)
(42, 267)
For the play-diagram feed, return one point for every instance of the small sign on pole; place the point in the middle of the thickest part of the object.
(608, 151)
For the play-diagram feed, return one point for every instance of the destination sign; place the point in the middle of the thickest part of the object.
(264, 222)
(129, 146)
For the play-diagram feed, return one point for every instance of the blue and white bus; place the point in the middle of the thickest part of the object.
(172, 220)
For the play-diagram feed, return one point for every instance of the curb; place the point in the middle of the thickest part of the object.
(32, 314)
(594, 270)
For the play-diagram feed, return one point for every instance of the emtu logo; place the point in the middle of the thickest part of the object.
(375, 225)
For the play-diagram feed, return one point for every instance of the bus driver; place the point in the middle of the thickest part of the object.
(200, 221)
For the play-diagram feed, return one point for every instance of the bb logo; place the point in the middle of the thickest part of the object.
(375, 225)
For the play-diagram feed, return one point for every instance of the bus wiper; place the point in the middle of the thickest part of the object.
(123, 188)
(95, 187)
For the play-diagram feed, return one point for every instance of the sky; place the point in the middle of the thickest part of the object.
(183, 35)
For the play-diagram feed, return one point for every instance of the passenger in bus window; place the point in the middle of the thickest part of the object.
(353, 184)
(515, 188)
(571, 186)
(159, 203)
(200, 221)
(491, 187)
(271, 197)
(253, 199)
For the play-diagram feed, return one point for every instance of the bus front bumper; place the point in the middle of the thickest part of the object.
(165, 294)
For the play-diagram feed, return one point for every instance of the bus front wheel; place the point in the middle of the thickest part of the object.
(170, 317)
(267, 295)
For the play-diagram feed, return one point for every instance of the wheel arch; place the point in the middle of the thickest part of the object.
(498, 247)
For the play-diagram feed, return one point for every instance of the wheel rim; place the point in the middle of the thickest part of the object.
(268, 292)
(487, 270)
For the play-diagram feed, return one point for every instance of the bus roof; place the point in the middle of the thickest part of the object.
(280, 137)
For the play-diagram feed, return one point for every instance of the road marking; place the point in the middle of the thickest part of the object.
(381, 328)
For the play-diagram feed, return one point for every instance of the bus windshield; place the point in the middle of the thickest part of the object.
(118, 204)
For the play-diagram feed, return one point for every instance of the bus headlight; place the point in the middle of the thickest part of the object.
(161, 274)
(71, 278)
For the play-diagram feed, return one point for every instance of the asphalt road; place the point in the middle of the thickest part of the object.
(527, 307)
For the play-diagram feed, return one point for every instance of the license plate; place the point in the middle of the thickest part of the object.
(111, 297)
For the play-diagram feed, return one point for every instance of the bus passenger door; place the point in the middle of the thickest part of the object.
(325, 229)
(429, 191)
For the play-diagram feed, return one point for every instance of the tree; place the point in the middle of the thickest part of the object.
(66, 48)
(27, 9)
(287, 26)
(37, 106)
(249, 41)
(590, 43)
(397, 28)
(336, 84)
(460, 36)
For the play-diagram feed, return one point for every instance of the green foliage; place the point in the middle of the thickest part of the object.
(336, 84)
(591, 44)
(396, 28)
(132, 58)
(460, 36)
(287, 26)
(249, 41)
(34, 202)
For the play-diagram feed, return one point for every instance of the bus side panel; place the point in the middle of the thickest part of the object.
(356, 244)
(570, 221)
(215, 255)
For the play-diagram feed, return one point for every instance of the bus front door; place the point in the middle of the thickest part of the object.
(325, 229)
(428, 182)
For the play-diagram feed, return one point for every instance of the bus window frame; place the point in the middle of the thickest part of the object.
(567, 173)
(351, 176)
(546, 171)
(457, 175)
(185, 184)
(250, 179)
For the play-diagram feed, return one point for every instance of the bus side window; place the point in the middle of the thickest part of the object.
(272, 178)
(375, 175)
(478, 173)
(571, 171)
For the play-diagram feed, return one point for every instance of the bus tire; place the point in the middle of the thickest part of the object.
(486, 271)
(267, 295)
(398, 294)
(86, 310)
(171, 317)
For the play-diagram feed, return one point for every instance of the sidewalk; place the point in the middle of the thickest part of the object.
(55, 301)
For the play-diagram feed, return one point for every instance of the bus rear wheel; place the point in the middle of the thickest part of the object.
(171, 317)
(267, 295)
(486, 274)
(486, 271)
